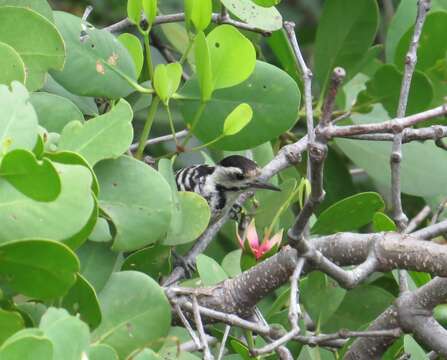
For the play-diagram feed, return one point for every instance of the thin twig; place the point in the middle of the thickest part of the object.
(198, 320)
(294, 309)
(161, 139)
(224, 341)
(187, 326)
(418, 219)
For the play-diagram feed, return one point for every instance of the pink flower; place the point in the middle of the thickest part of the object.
(259, 250)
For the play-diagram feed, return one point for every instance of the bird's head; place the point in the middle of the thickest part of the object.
(236, 173)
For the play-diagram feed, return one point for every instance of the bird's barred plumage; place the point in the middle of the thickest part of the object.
(221, 184)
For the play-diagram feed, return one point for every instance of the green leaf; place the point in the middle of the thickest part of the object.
(71, 158)
(272, 94)
(211, 273)
(133, 45)
(86, 104)
(321, 296)
(18, 123)
(349, 214)
(102, 352)
(147, 354)
(95, 66)
(402, 20)
(203, 66)
(134, 10)
(40, 50)
(28, 344)
(70, 218)
(198, 13)
(385, 86)
(54, 112)
(414, 349)
(42, 269)
(97, 263)
(227, 46)
(154, 261)
(104, 137)
(69, 335)
(12, 65)
(419, 167)
(139, 214)
(359, 307)
(344, 40)
(141, 318)
(11, 322)
(381, 222)
(81, 299)
(237, 119)
(268, 19)
(40, 6)
(266, 3)
(431, 46)
(150, 10)
(37, 179)
(191, 220)
(231, 263)
(167, 80)
(101, 231)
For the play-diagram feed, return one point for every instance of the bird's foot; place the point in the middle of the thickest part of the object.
(187, 265)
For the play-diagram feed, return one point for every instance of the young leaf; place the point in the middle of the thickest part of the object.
(237, 119)
(413, 348)
(133, 45)
(210, 271)
(150, 10)
(203, 66)
(227, 46)
(134, 9)
(198, 13)
(167, 80)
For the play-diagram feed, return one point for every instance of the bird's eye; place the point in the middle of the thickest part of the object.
(239, 176)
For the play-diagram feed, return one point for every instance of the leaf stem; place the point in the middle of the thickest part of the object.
(188, 49)
(147, 47)
(147, 127)
(195, 121)
(171, 123)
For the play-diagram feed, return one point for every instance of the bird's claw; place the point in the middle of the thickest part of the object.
(188, 266)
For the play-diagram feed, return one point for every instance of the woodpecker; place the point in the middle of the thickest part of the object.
(221, 184)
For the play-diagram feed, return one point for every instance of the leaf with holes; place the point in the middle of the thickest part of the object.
(260, 17)
(227, 46)
(96, 66)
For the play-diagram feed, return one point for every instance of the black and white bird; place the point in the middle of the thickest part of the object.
(221, 184)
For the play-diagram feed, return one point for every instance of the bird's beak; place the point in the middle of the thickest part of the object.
(257, 184)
